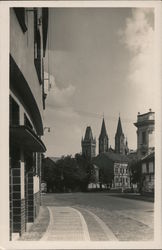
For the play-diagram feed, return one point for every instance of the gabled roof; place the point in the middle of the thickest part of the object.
(148, 157)
(103, 130)
(113, 157)
(119, 130)
(88, 134)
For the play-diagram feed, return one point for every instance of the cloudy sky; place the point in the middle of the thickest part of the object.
(100, 61)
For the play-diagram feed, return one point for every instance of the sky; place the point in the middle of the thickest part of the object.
(100, 63)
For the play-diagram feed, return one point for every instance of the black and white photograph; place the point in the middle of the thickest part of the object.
(82, 166)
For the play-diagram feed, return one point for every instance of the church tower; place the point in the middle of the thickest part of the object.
(88, 144)
(145, 133)
(103, 139)
(120, 146)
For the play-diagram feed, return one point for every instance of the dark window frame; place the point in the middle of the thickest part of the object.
(14, 112)
(37, 47)
(20, 14)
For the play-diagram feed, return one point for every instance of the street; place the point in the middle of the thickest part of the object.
(94, 217)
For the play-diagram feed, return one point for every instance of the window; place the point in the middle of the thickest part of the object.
(152, 178)
(35, 163)
(151, 167)
(38, 163)
(14, 157)
(144, 137)
(116, 170)
(29, 161)
(14, 112)
(144, 169)
(44, 27)
(37, 47)
(20, 14)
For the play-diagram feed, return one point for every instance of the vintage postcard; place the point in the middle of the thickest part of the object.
(81, 124)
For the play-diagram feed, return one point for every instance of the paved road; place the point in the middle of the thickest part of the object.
(102, 216)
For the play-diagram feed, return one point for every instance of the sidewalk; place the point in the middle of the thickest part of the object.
(68, 224)
(39, 227)
(58, 224)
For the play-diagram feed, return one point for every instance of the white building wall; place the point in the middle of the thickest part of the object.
(36, 182)
(22, 50)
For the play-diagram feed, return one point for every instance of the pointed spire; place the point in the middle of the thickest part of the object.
(88, 134)
(88, 144)
(103, 129)
(119, 127)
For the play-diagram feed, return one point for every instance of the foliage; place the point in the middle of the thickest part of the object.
(135, 171)
(50, 174)
(68, 173)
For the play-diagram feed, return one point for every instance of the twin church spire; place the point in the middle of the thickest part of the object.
(103, 139)
(89, 143)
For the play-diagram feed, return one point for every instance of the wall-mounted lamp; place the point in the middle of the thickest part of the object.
(48, 129)
(49, 83)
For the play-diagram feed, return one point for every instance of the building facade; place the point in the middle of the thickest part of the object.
(28, 36)
(103, 139)
(94, 183)
(148, 173)
(146, 149)
(113, 170)
(145, 133)
(88, 144)
(121, 175)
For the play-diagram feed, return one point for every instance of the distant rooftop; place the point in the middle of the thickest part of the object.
(54, 159)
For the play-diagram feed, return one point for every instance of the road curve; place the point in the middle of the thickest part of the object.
(70, 224)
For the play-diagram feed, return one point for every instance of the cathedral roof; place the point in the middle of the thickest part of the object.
(88, 134)
(114, 157)
(119, 130)
(104, 159)
(103, 130)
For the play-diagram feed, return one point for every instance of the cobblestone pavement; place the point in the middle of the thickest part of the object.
(66, 224)
(92, 217)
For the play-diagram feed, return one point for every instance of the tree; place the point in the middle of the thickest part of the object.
(135, 173)
(68, 174)
(49, 174)
(86, 169)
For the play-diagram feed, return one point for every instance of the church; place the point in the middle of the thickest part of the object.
(111, 165)
(89, 142)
